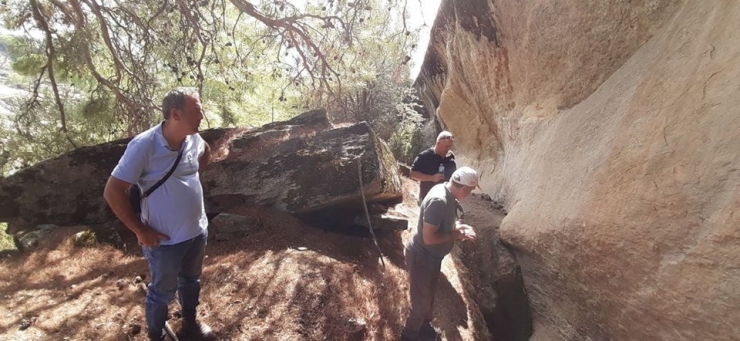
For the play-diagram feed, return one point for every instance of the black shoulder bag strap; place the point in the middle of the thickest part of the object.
(162, 180)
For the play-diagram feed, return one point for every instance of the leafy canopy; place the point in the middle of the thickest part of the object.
(97, 69)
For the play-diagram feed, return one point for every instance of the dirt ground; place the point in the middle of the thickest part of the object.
(285, 281)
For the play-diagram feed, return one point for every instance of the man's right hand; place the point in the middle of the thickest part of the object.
(438, 177)
(466, 232)
(150, 237)
(115, 195)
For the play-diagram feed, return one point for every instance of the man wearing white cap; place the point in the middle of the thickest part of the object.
(436, 233)
(434, 165)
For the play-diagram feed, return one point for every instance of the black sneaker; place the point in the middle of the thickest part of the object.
(196, 330)
(154, 337)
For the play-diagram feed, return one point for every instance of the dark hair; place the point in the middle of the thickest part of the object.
(175, 99)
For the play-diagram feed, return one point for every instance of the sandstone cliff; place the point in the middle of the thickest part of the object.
(609, 131)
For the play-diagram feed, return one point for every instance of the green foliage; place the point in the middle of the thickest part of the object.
(406, 141)
(25, 54)
(29, 65)
(33, 135)
(86, 238)
(18, 46)
(6, 240)
(252, 64)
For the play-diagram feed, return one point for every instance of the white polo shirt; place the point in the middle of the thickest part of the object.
(176, 207)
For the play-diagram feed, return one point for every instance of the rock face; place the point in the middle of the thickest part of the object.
(66, 190)
(302, 175)
(227, 226)
(297, 166)
(609, 131)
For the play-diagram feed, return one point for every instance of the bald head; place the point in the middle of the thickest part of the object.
(444, 143)
(445, 135)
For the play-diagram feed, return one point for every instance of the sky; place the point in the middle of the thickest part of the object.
(421, 14)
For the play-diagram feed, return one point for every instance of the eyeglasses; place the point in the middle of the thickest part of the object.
(446, 138)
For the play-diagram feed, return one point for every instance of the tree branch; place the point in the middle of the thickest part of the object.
(91, 66)
(196, 30)
(106, 38)
(288, 25)
(50, 55)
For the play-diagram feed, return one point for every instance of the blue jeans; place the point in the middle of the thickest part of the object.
(173, 268)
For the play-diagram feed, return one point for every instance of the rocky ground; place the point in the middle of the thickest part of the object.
(285, 281)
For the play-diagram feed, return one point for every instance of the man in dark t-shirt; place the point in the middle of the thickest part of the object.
(434, 165)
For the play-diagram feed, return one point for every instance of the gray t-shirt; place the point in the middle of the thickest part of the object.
(175, 208)
(438, 208)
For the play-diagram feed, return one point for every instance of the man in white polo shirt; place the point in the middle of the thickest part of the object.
(172, 227)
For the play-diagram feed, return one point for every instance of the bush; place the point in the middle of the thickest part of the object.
(6, 240)
(406, 141)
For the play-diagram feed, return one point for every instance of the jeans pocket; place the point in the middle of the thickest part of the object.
(148, 251)
(417, 258)
(423, 260)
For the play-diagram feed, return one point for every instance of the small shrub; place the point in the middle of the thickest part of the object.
(6, 240)
(406, 141)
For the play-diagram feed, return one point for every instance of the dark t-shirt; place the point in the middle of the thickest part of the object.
(439, 208)
(428, 162)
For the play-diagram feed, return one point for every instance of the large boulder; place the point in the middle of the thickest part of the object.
(301, 175)
(609, 130)
(297, 165)
(226, 226)
(68, 190)
(65, 190)
(224, 139)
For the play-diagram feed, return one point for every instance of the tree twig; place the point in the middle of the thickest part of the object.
(50, 55)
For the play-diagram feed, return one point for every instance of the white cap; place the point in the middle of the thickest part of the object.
(465, 176)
